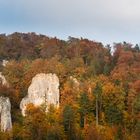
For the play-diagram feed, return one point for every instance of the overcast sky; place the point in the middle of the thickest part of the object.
(107, 21)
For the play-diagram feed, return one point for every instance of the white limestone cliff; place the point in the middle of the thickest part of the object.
(5, 114)
(44, 89)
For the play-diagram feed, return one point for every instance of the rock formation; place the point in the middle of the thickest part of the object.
(3, 80)
(4, 62)
(5, 114)
(44, 89)
(75, 81)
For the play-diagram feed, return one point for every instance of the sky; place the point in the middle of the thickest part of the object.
(106, 21)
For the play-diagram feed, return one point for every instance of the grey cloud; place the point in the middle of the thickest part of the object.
(108, 18)
(121, 9)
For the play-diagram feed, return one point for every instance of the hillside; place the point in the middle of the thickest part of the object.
(99, 91)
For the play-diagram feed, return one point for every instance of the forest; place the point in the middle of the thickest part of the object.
(105, 105)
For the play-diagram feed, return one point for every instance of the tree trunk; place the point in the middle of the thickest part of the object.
(97, 110)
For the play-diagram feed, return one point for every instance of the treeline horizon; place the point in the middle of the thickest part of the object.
(23, 37)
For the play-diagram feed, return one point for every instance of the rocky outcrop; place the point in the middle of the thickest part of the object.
(44, 89)
(3, 80)
(75, 81)
(5, 114)
(4, 63)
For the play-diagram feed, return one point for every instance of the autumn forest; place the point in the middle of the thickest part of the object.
(99, 88)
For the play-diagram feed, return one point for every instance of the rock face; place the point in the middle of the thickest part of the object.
(5, 114)
(44, 89)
